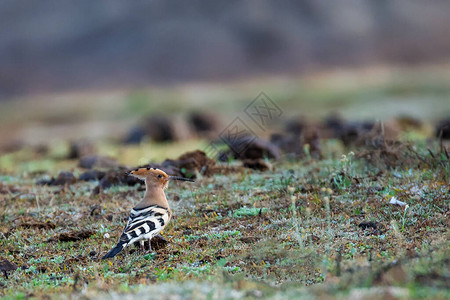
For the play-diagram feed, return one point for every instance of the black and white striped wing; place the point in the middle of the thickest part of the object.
(144, 223)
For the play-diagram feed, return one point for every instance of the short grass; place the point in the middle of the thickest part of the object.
(288, 233)
(307, 229)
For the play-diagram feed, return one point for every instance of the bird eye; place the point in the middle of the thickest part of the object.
(159, 176)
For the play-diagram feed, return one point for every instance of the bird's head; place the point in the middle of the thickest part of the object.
(153, 176)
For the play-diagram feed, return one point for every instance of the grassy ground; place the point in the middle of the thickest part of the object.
(294, 231)
(308, 228)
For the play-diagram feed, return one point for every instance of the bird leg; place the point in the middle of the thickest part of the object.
(143, 246)
(149, 246)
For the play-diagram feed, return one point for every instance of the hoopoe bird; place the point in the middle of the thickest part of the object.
(150, 216)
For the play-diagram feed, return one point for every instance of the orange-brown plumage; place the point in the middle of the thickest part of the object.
(151, 215)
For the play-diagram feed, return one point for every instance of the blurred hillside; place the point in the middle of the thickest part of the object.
(68, 45)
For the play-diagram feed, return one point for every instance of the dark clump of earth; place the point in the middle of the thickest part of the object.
(250, 147)
(288, 143)
(295, 126)
(72, 236)
(92, 175)
(203, 123)
(63, 178)
(157, 243)
(6, 266)
(116, 177)
(160, 128)
(443, 129)
(187, 165)
(256, 164)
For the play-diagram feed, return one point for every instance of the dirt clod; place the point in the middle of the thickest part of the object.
(443, 129)
(118, 177)
(251, 148)
(257, 164)
(203, 122)
(158, 243)
(368, 224)
(29, 222)
(160, 128)
(188, 165)
(72, 236)
(63, 178)
(92, 175)
(6, 266)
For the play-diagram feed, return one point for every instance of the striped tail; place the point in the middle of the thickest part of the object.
(114, 251)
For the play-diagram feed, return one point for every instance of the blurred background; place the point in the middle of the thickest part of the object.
(113, 70)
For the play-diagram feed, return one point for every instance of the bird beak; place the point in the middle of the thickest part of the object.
(128, 173)
(180, 178)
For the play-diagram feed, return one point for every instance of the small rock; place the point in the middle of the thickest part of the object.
(92, 253)
(106, 236)
(397, 202)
